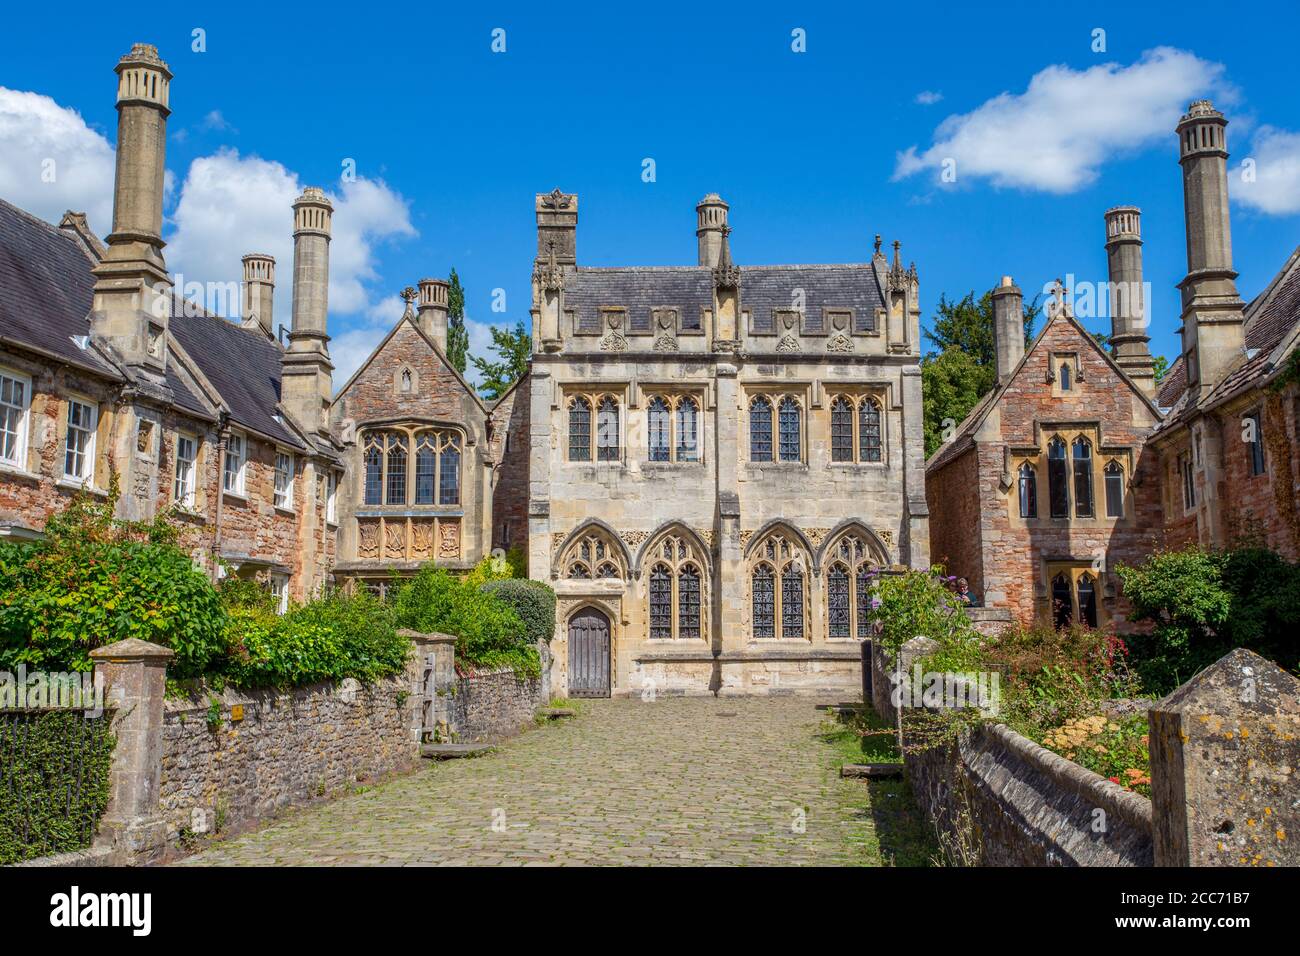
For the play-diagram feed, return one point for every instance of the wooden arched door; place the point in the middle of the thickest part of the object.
(589, 654)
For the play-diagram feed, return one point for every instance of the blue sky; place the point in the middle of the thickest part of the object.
(451, 140)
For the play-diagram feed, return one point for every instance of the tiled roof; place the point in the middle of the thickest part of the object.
(1270, 317)
(690, 288)
(45, 289)
(242, 365)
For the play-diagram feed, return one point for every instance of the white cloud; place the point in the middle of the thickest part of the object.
(1055, 136)
(928, 97)
(53, 161)
(1273, 183)
(231, 205)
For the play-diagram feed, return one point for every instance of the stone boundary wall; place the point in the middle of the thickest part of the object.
(273, 750)
(997, 798)
(488, 706)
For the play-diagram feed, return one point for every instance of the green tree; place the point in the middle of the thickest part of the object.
(457, 335)
(1162, 366)
(962, 369)
(514, 347)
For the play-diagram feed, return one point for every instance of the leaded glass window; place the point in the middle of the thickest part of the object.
(607, 430)
(660, 419)
(1028, 491)
(864, 601)
(763, 599)
(837, 601)
(791, 602)
(841, 430)
(374, 470)
(593, 555)
(1057, 492)
(1114, 490)
(688, 439)
(580, 430)
(1082, 478)
(426, 475)
(791, 445)
(688, 602)
(760, 429)
(661, 603)
(449, 472)
(869, 435)
(395, 488)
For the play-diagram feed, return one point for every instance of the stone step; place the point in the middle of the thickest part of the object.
(557, 713)
(872, 771)
(452, 751)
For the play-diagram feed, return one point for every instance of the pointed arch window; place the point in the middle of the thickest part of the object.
(1083, 478)
(374, 491)
(579, 429)
(1062, 601)
(593, 556)
(790, 419)
(1087, 600)
(841, 430)
(778, 594)
(676, 590)
(688, 429)
(848, 588)
(870, 438)
(1065, 377)
(1028, 484)
(1114, 490)
(395, 483)
(760, 429)
(1058, 493)
(449, 471)
(607, 429)
(659, 419)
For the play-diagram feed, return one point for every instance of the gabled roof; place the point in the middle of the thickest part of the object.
(965, 434)
(1272, 325)
(46, 290)
(442, 356)
(690, 288)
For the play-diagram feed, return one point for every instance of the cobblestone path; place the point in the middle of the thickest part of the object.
(676, 781)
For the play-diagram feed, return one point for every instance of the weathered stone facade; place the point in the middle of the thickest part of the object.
(686, 496)
(106, 373)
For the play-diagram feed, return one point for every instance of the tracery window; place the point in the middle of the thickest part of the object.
(760, 429)
(856, 434)
(790, 420)
(1074, 596)
(1083, 478)
(600, 443)
(676, 590)
(593, 555)
(673, 428)
(849, 582)
(1057, 493)
(778, 589)
(390, 478)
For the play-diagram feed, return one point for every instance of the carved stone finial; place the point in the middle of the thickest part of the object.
(408, 296)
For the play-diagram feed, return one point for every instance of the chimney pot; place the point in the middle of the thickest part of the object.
(433, 306)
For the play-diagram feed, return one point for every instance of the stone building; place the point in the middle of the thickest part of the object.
(420, 449)
(1229, 446)
(719, 457)
(106, 371)
(1208, 457)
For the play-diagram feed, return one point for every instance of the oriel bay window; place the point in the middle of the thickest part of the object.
(390, 478)
(673, 428)
(600, 443)
(856, 430)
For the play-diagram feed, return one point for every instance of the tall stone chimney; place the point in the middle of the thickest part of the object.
(305, 370)
(711, 224)
(131, 306)
(1213, 316)
(432, 316)
(1128, 318)
(259, 293)
(1008, 327)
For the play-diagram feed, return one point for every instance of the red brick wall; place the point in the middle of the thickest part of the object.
(953, 494)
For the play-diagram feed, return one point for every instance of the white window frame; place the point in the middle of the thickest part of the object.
(88, 452)
(239, 483)
(279, 582)
(332, 497)
(19, 458)
(282, 497)
(183, 491)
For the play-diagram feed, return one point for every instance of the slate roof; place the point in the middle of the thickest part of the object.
(242, 365)
(45, 290)
(690, 288)
(45, 296)
(1270, 317)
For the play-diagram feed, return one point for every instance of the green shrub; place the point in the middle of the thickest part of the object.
(329, 639)
(93, 580)
(918, 604)
(56, 785)
(533, 601)
(1203, 604)
(488, 631)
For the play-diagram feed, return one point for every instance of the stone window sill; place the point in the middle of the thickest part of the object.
(189, 513)
(77, 484)
(281, 509)
(8, 468)
(239, 496)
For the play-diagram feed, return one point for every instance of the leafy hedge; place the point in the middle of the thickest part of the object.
(94, 580)
(55, 782)
(533, 601)
(1203, 604)
(489, 633)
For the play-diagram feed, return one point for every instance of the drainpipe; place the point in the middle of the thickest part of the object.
(223, 423)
